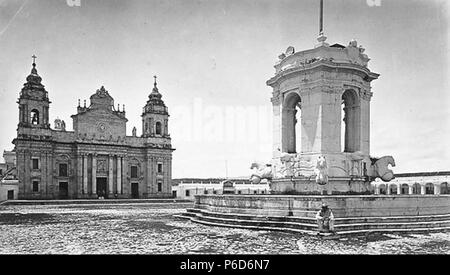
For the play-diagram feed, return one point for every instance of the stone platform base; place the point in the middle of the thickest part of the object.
(353, 214)
(335, 186)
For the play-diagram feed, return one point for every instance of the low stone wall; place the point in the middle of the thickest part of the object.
(342, 206)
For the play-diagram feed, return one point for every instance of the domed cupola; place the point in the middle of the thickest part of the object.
(34, 78)
(154, 103)
(34, 84)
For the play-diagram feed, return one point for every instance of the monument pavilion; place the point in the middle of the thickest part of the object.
(327, 91)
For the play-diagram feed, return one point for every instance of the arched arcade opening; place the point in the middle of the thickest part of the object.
(291, 124)
(350, 125)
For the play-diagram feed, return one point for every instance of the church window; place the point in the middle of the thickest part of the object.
(187, 193)
(63, 170)
(35, 186)
(158, 128)
(35, 163)
(134, 172)
(160, 168)
(34, 117)
(159, 186)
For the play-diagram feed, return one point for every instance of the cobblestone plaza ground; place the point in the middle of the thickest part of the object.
(153, 229)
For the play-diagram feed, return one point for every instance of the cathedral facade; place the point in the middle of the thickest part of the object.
(97, 159)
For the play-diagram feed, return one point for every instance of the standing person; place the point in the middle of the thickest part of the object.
(325, 219)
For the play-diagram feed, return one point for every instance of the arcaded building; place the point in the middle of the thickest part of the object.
(96, 159)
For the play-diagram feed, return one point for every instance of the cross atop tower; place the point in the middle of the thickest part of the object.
(34, 59)
(155, 80)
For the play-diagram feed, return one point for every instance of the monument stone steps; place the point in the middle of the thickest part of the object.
(356, 220)
(304, 224)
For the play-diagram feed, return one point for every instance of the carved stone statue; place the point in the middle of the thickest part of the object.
(381, 170)
(288, 162)
(101, 166)
(134, 131)
(292, 165)
(356, 159)
(353, 43)
(263, 171)
(63, 125)
(35, 119)
(321, 171)
(57, 124)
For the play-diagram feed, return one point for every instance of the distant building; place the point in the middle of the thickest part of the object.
(96, 159)
(7, 168)
(9, 185)
(187, 188)
(422, 183)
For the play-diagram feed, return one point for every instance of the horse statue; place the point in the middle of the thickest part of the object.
(321, 171)
(263, 171)
(380, 167)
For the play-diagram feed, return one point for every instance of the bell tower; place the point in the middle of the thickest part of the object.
(33, 102)
(155, 115)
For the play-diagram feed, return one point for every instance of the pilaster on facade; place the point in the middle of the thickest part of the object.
(94, 174)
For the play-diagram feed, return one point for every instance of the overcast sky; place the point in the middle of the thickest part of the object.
(213, 58)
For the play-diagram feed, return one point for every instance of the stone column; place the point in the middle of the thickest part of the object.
(46, 173)
(329, 119)
(148, 174)
(20, 113)
(365, 124)
(388, 189)
(377, 189)
(151, 126)
(410, 189)
(437, 189)
(276, 108)
(399, 189)
(111, 175)
(119, 174)
(27, 117)
(85, 174)
(166, 127)
(94, 174)
(288, 131)
(422, 189)
(79, 175)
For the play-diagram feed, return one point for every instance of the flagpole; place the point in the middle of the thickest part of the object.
(321, 18)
